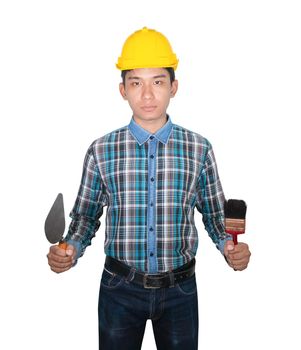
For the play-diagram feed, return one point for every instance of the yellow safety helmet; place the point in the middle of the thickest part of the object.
(147, 48)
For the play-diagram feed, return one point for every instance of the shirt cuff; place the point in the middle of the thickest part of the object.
(221, 243)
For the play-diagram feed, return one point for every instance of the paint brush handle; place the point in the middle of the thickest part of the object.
(234, 236)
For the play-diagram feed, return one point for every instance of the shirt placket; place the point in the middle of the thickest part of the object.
(151, 207)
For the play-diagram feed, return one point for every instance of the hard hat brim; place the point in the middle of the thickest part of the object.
(130, 67)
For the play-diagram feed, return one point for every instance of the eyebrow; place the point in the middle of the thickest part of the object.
(155, 77)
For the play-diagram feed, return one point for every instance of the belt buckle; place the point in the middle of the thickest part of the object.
(145, 285)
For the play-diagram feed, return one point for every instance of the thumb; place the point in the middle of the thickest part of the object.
(70, 251)
(229, 246)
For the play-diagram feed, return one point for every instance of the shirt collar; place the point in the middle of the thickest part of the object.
(142, 135)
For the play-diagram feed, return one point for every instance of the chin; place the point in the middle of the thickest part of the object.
(147, 116)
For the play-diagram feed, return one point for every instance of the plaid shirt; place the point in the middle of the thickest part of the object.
(150, 185)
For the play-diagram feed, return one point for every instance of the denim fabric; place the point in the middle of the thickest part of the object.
(124, 307)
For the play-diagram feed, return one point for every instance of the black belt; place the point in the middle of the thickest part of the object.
(160, 280)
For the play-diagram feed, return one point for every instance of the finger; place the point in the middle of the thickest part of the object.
(239, 256)
(236, 264)
(59, 262)
(241, 264)
(240, 250)
(241, 247)
(239, 267)
(59, 258)
(56, 250)
(58, 269)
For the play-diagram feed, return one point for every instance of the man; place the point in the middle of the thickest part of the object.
(151, 175)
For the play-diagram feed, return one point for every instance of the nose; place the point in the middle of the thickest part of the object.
(147, 92)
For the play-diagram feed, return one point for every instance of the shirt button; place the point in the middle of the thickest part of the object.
(152, 156)
(151, 229)
(152, 204)
(152, 179)
(152, 137)
(151, 254)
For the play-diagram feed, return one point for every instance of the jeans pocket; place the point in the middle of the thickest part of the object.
(110, 280)
(187, 287)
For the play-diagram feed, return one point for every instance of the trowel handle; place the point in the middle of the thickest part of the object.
(63, 245)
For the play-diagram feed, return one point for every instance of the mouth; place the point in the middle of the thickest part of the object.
(148, 108)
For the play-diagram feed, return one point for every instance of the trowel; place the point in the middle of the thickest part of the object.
(55, 222)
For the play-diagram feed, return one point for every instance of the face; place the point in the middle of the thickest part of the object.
(148, 92)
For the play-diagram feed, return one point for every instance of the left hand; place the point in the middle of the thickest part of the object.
(237, 256)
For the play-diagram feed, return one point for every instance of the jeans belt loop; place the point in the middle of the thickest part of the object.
(171, 279)
(131, 275)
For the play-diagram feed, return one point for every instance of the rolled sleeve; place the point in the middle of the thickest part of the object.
(211, 201)
(88, 206)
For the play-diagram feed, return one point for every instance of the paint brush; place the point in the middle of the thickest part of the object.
(235, 217)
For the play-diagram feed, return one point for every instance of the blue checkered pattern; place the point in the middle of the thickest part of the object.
(151, 185)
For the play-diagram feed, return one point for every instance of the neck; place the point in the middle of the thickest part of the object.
(152, 126)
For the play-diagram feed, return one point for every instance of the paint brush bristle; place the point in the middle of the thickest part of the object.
(235, 209)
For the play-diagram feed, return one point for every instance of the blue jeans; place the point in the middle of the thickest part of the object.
(124, 307)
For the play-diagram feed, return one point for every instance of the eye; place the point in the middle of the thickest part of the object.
(158, 82)
(135, 83)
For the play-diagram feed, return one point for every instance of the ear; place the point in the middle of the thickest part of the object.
(122, 91)
(174, 88)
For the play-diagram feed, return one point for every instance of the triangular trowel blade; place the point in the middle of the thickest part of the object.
(55, 221)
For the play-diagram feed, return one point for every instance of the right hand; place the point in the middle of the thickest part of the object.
(61, 260)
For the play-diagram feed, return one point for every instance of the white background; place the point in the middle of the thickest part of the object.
(239, 86)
